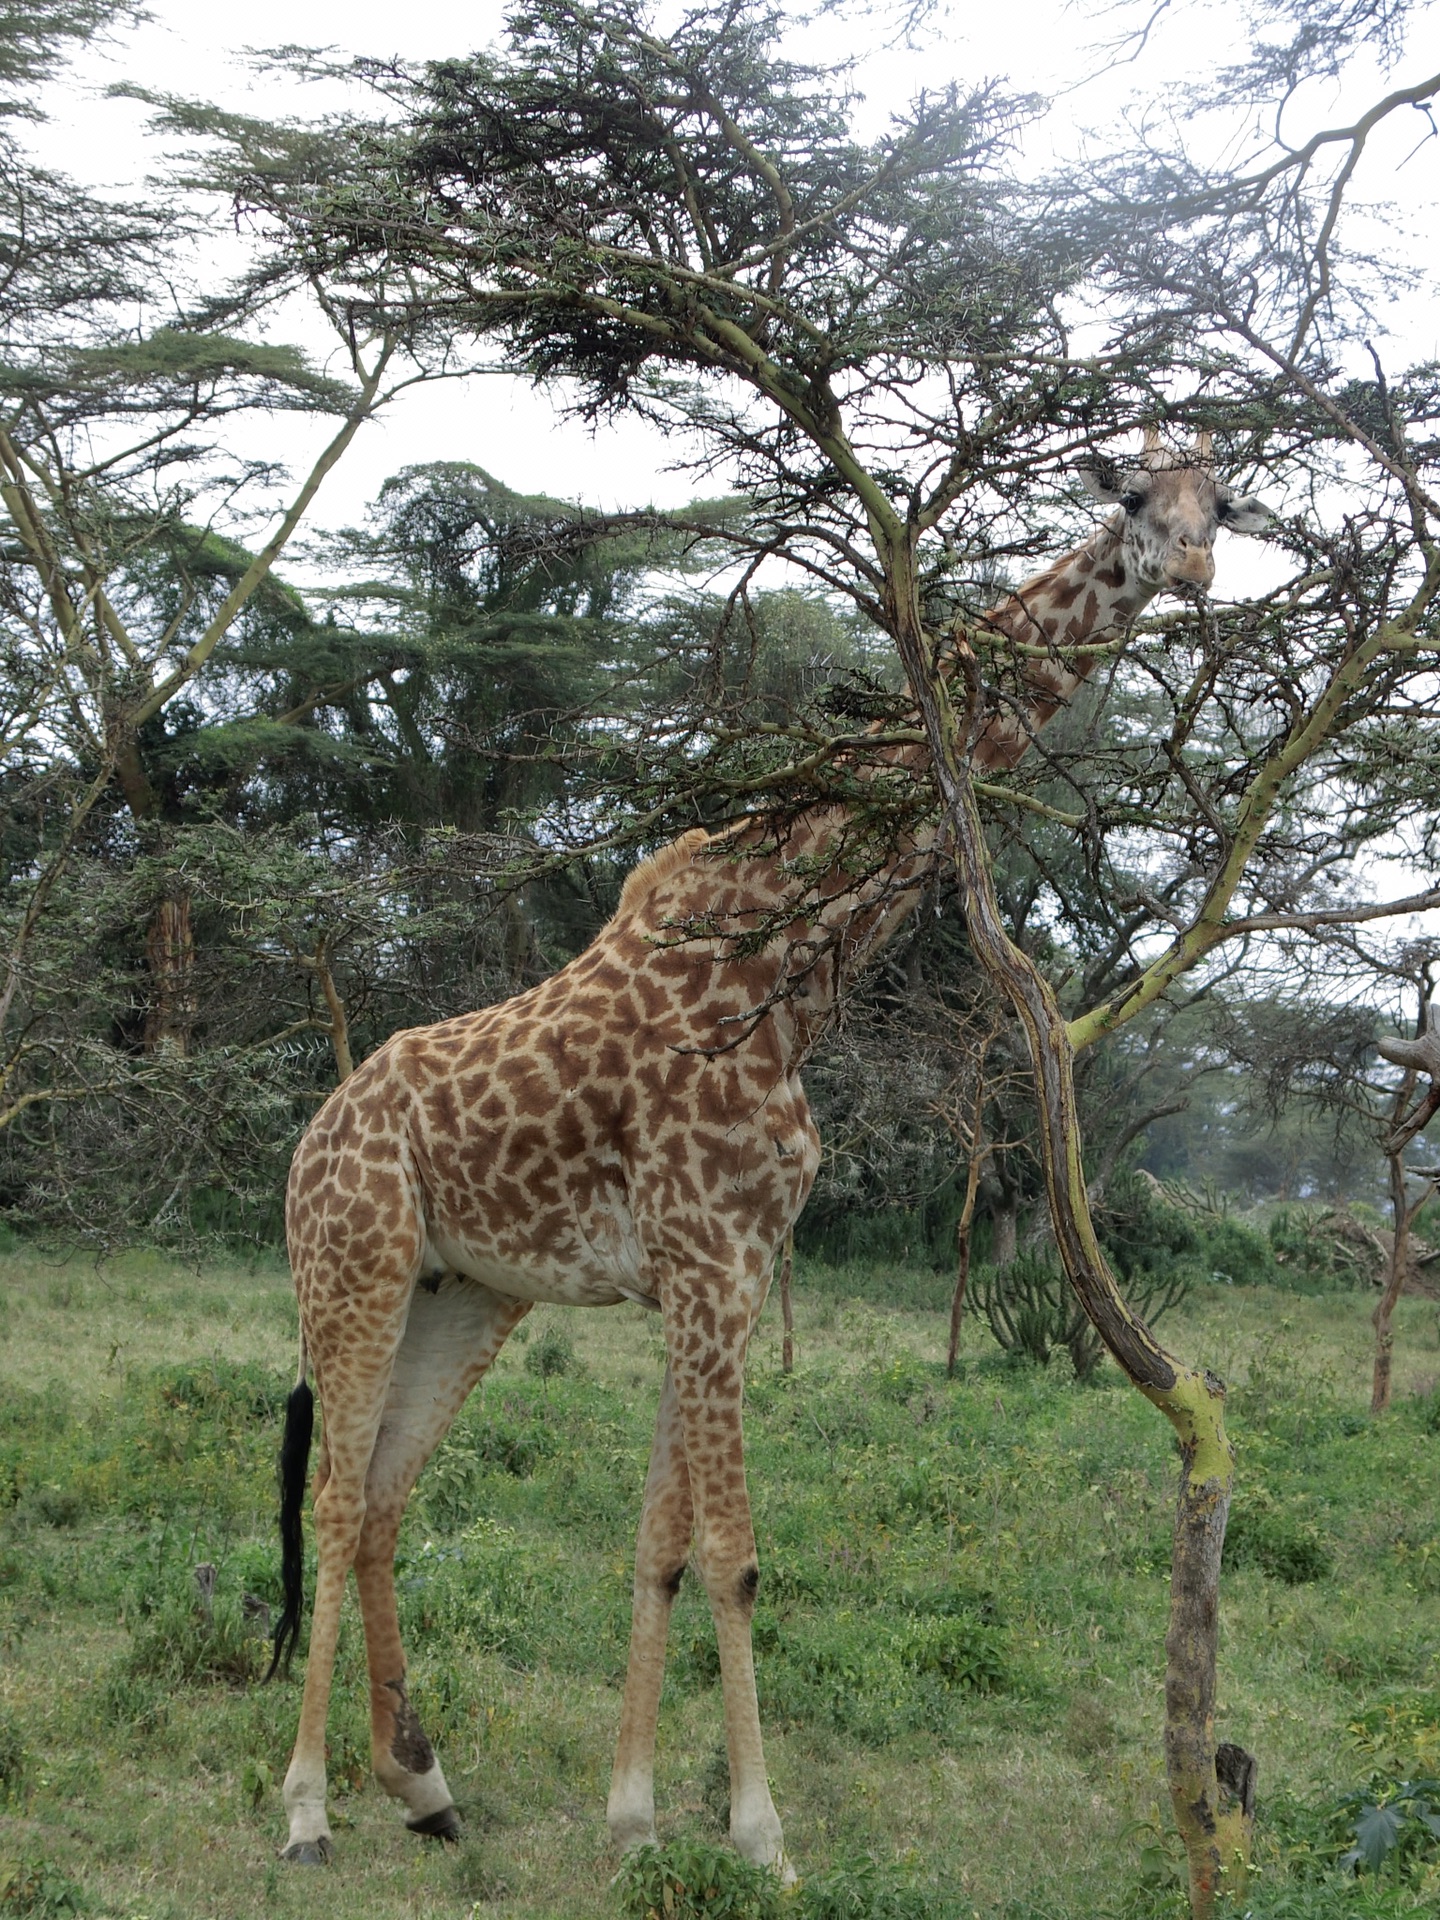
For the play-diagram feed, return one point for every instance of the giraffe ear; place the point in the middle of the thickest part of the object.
(1109, 482)
(1243, 514)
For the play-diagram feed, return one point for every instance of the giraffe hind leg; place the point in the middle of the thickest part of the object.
(353, 1332)
(707, 1329)
(451, 1337)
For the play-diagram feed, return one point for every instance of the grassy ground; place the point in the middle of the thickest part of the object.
(960, 1631)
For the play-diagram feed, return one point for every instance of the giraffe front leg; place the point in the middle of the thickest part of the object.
(662, 1547)
(707, 1328)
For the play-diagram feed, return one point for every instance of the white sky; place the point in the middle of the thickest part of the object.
(518, 434)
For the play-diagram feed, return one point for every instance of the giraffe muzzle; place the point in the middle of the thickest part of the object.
(1190, 567)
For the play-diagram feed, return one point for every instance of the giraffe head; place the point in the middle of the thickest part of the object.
(1173, 507)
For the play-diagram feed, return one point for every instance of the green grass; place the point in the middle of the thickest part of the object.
(960, 1629)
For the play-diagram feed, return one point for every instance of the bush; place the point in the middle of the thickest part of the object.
(695, 1880)
(36, 1888)
(178, 1644)
(864, 1889)
(963, 1651)
(1319, 1252)
(553, 1354)
(1232, 1251)
(232, 1392)
(1279, 1544)
(1032, 1309)
(13, 1758)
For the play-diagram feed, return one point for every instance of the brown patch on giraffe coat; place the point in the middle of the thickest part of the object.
(408, 1746)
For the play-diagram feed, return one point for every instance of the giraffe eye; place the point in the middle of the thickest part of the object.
(1132, 501)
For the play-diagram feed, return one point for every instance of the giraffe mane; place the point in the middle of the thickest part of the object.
(642, 880)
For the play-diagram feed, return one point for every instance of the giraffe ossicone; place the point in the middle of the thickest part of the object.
(631, 1129)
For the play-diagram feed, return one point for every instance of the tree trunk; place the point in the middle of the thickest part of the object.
(170, 953)
(1215, 1831)
(962, 1236)
(1005, 1231)
(787, 1312)
(339, 1023)
(1401, 1213)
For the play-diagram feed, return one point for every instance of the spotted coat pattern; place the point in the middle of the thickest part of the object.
(628, 1130)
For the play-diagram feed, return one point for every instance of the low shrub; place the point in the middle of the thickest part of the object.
(484, 1586)
(552, 1354)
(867, 1889)
(695, 1880)
(1396, 1831)
(1400, 1736)
(180, 1643)
(1033, 1312)
(1282, 1545)
(232, 1392)
(13, 1758)
(36, 1888)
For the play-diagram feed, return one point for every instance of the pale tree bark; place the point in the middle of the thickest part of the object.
(1005, 1223)
(1382, 1318)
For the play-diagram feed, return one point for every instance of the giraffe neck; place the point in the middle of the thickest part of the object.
(746, 879)
(1085, 598)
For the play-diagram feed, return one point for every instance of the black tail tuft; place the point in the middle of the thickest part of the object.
(294, 1464)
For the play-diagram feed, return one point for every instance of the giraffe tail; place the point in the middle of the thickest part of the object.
(294, 1465)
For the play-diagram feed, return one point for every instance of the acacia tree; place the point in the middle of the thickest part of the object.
(137, 546)
(875, 338)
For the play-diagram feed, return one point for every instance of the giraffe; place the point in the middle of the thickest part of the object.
(632, 1129)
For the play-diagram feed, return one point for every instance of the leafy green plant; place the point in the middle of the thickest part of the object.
(256, 1780)
(695, 1880)
(962, 1650)
(1401, 1735)
(13, 1757)
(36, 1888)
(180, 1645)
(865, 1889)
(1033, 1312)
(1396, 1830)
(228, 1390)
(1320, 1252)
(551, 1355)
(1280, 1544)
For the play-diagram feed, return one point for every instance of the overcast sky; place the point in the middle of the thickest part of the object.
(518, 434)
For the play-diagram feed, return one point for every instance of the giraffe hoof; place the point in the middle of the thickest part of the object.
(309, 1853)
(443, 1826)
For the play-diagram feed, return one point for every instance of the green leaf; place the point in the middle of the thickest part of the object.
(1376, 1832)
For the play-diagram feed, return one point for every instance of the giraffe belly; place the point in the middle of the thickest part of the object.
(578, 1275)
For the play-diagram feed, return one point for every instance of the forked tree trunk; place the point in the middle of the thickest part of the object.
(1213, 1824)
(1214, 1812)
